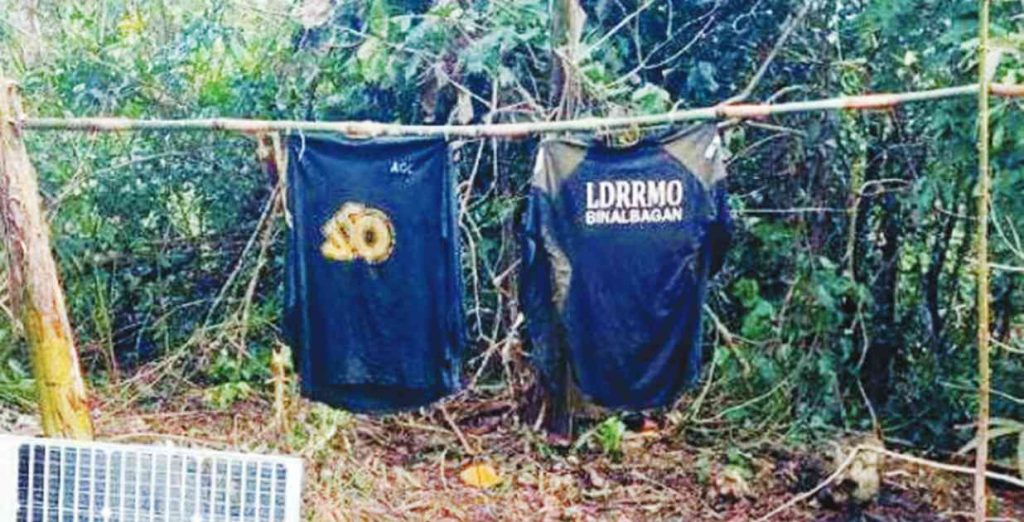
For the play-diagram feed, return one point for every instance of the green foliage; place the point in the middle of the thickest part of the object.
(759, 313)
(320, 432)
(232, 376)
(651, 99)
(16, 385)
(609, 435)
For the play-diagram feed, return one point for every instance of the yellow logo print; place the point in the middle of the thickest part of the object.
(357, 232)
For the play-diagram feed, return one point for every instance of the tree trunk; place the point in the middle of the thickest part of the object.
(36, 296)
(932, 280)
(877, 371)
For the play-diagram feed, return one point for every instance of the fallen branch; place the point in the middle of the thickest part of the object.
(822, 485)
(990, 475)
(458, 432)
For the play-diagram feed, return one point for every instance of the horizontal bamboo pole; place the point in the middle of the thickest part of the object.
(370, 128)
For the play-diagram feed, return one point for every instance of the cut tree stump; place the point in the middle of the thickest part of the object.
(35, 292)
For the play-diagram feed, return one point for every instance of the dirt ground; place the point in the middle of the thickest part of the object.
(407, 467)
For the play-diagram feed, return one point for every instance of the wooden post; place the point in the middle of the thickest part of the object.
(35, 292)
(274, 157)
(981, 252)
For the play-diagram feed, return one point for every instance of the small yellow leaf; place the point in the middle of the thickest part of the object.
(480, 476)
(131, 24)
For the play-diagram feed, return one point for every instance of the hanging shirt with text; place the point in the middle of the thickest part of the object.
(373, 295)
(618, 246)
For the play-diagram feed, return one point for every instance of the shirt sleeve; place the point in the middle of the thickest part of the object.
(537, 296)
(721, 229)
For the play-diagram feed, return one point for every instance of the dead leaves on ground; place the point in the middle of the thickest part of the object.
(410, 468)
(481, 476)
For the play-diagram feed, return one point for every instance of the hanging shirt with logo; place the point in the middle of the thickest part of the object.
(618, 246)
(373, 299)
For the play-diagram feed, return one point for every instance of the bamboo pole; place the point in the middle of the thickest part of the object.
(981, 238)
(513, 130)
(274, 157)
(36, 295)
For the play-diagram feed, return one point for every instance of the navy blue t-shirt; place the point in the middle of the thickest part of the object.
(618, 246)
(373, 295)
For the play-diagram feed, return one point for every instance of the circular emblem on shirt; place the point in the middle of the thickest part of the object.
(356, 231)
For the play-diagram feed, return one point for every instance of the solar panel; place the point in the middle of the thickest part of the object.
(44, 480)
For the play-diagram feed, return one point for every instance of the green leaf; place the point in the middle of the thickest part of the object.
(651, 99)
(377, 18)
(372, 57)
(747, 291)
(609, 435)
(757, 324)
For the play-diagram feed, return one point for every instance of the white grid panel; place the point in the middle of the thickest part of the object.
(51, 480)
